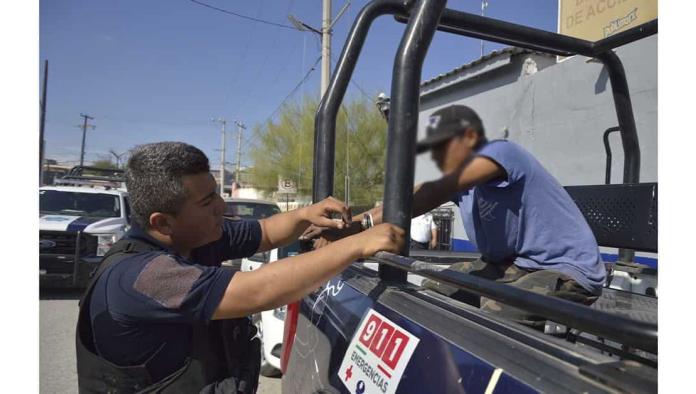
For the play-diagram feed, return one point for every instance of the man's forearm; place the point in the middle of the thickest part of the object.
(286, 280)
(282, 229)
(426, 197)
(433, 240)
(430, 195)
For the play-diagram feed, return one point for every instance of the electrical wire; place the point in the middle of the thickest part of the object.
(292, 92)
(234, 81)
(251, 18)
(254, 134)
(252, 96)
(352, 81)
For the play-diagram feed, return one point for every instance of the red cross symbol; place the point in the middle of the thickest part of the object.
(349, 373)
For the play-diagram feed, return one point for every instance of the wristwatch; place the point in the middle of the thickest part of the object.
(366, 221)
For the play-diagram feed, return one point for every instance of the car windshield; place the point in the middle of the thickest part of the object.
(250, 210)
(79, 204)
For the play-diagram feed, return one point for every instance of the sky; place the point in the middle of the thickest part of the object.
(160, 70)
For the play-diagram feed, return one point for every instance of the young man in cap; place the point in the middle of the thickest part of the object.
(529, 231)
(161, 314)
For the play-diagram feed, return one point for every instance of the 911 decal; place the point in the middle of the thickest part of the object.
(377, 356)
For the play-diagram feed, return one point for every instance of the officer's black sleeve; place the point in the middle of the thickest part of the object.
(240, 238)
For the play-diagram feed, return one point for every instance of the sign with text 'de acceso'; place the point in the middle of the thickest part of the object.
(594, 20)
(377, 356)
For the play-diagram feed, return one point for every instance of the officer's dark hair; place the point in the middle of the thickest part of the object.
(154, 177)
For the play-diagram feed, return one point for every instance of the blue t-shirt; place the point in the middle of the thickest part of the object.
(150, 301)
(530, 218)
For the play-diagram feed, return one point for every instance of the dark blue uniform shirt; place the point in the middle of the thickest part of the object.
(147, 303)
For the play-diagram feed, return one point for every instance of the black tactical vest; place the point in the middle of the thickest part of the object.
(225, 356)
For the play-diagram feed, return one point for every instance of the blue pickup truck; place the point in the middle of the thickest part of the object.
(374, 329)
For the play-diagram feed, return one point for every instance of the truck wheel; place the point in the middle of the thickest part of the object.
(267, 369)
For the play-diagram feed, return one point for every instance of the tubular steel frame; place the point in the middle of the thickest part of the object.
(423, 18)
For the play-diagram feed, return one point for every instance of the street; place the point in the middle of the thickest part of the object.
(58, 316)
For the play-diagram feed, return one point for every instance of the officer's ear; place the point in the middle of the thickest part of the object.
(470, 137)
(162, 223)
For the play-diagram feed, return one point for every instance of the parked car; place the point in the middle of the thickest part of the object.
(80, 218)
(247, 208)
(270, 324)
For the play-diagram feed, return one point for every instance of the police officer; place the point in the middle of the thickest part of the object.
(162, 315)
(529, 231)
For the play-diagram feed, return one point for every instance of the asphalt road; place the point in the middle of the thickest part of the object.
(58, 316)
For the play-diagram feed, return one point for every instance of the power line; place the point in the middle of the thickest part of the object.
(355, 84)
(299, 84)
(361, 90)
(251, 18)
(251, 139)
(242, 61)
(255, 94)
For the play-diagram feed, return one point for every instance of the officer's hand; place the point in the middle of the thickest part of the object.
(323, 236)
(384, 237)
(320, 214)
(321, 242)
(313, 232)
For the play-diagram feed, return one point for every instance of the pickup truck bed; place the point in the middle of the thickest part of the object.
(634, 306)
(500, 355)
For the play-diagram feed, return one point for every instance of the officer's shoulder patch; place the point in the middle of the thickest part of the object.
(166, 281)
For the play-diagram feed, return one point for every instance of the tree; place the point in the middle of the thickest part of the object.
(285, 148)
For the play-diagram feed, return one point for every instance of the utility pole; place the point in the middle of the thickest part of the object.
(222, 155)
(42, 123)
(84, 135)
(347, 176)
(484, 5)
(326, 28)
(240, 127)
(325, 46)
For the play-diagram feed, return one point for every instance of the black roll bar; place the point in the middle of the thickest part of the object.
(325, 120)
(422, 22)
(624, 114)
(626, 331)
(625, 37)
(625, 255)
(476, 26)
(607, 150)
(403, 121)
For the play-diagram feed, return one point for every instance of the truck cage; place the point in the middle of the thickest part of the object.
(93, 176)
(423, 18)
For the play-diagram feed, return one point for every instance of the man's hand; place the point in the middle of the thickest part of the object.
(319, 214)
(330, 234)
(313, 232)
(384, 237)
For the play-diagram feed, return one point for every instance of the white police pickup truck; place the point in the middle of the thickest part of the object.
(79, 220)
